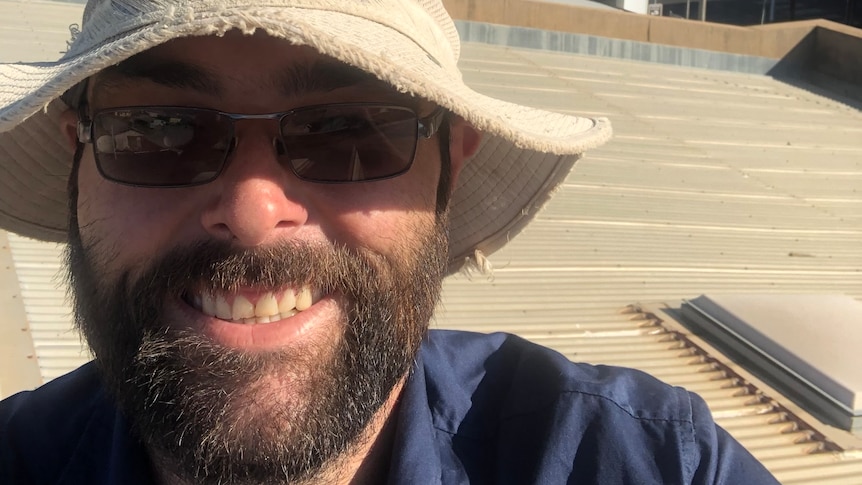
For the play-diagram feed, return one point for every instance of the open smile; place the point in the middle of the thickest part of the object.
(261, 319)
(253, 307)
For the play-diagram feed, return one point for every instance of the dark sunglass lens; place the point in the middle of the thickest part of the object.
(160, 147)
(343, 143)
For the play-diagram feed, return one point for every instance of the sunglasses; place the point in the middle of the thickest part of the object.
(163, 146)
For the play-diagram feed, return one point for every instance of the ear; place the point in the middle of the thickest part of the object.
(463, 143)
(69, 127)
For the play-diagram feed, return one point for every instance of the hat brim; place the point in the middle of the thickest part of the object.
(524, 155)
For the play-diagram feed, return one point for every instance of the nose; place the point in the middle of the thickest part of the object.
(255, 200)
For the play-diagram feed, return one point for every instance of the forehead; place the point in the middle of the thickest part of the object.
(218, 66)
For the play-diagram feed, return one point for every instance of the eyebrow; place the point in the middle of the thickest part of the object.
(320, 76)
(174, 74)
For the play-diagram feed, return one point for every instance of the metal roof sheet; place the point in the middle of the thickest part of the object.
(35, 30)
(39, 268)
(715, 182)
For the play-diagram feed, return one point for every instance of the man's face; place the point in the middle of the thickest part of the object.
(252, 327)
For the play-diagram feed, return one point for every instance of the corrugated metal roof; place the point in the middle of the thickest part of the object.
(35, 30)
(18, 364)
(716, 182)
(39, 267)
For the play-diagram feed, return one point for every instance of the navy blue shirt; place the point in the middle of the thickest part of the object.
(477, 409)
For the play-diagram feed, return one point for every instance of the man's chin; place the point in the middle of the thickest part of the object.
(234, 413)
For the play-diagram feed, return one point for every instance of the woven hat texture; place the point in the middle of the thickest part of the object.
(410, 44)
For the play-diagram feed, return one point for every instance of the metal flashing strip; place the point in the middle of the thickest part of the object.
(546, 40)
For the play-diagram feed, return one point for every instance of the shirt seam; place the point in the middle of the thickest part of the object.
(615, 403)
(551, 403)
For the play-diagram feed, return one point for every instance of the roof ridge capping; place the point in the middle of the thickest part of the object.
(805, 345)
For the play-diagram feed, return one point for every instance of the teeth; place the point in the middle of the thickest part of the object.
(303, 298)
(242, 308)
(208, 305)
(222, 308)
(287, 301)
(268, 308)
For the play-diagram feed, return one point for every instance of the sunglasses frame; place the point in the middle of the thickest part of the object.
(427, 127)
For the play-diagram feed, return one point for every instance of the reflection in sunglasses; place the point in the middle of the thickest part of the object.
(178, 146)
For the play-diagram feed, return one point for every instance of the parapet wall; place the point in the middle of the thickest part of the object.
(792, 49)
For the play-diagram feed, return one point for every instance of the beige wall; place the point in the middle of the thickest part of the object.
(839, 54)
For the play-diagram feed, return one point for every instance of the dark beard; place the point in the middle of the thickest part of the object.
(213, 412)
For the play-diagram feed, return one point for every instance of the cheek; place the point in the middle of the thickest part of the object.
(387, 232)
(380, 216)
(94, 193)
(128, 222)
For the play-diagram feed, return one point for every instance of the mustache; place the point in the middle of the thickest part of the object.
(221, 266)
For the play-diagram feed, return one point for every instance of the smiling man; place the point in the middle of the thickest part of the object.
(260, 203)
(273, 300)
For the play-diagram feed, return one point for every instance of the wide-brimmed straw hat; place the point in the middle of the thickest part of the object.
(410, 44)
